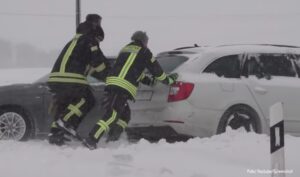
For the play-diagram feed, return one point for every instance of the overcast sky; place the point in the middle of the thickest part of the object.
(49, 24)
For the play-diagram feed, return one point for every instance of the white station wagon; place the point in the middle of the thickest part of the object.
(223, 86)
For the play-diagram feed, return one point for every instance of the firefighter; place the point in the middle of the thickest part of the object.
(72, 95)
(121, 86)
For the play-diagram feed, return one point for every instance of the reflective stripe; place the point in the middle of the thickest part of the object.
(153, 59)
(99, 132)
(131, 49)
(104, 126)
(54, 125)
(142, 76)
(127, 65)
(122, 123)
(112, 118)
(162, 77)
(100, 67)
(68, 53)
(87, 69)
(69, 80)
(67, 116)
(97, 69)
(74, 75)
(74, 110)
(94, 48)
(122, 83)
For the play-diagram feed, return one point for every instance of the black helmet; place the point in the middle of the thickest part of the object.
(93, 19)
(84, 28)
(140, 36)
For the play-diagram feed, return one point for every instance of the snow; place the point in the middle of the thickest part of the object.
(234, 154)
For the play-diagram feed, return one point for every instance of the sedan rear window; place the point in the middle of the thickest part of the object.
(170, 63)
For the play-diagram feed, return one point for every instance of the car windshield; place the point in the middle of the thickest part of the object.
(170, 63)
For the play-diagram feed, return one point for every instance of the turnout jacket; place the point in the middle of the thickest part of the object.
(79, 58)
(129, 69)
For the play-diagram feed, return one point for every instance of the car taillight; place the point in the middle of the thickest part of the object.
(180, 91)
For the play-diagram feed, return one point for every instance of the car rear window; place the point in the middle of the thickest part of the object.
(169, 63)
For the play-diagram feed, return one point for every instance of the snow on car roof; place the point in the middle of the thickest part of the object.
(242, 48)
(205, 55)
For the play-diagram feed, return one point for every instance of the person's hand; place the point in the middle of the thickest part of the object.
(172, 78)
(148, 81)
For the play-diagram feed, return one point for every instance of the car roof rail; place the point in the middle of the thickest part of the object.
(174, 52)
(275, 45)
(188, 47)
(282, 45)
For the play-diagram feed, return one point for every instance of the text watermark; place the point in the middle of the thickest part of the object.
(268, 171)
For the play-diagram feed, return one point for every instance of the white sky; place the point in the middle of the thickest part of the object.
(169, 23)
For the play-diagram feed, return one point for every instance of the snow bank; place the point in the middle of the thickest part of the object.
(233, 154)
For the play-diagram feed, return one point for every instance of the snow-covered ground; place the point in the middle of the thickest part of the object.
(234, 154)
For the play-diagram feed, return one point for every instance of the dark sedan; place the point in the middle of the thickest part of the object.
(24, 109)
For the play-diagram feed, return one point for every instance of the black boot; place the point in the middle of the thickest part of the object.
(66, 127)
(114, 133)
(90, 143)
(56, 137)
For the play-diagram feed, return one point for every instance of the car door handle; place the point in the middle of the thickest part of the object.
(260, 90)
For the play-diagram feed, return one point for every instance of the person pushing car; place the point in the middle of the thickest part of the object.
(72, 95)
(121, 86)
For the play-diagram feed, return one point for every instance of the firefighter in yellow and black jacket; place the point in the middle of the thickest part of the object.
(72, 96)
(121, 85)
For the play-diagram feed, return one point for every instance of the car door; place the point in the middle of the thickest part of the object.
(272, 78)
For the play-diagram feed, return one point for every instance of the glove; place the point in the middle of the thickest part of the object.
(148, 81)
(172, 78)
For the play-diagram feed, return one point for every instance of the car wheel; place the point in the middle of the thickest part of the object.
(240, 117)
(14, 125)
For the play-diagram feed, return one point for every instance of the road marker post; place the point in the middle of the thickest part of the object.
(277, 140)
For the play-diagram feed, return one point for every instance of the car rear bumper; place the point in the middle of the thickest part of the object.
(188, 120)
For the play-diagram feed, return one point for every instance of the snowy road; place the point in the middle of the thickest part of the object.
(234, 154)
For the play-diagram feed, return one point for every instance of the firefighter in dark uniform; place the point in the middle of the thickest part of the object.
(121, 86)
(72, 95)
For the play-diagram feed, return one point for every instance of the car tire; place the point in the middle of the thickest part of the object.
(240, 116)
(14, 124)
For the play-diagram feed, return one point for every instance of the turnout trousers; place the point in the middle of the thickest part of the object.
(70, 103)
(115, 119)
